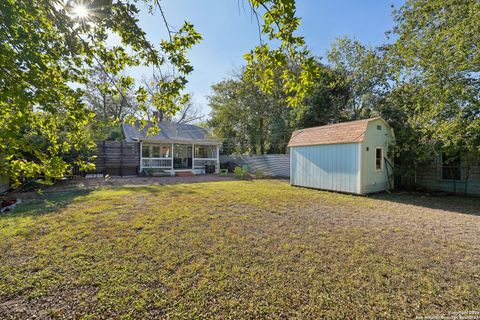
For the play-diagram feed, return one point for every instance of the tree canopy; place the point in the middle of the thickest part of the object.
(57, 67)
(436, 62)
(364, 72)
(254, 122)
(425, 82)
(49, 46)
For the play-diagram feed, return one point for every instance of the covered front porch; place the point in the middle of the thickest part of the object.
(175, 157)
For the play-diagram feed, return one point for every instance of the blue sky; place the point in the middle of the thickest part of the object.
(229, 31)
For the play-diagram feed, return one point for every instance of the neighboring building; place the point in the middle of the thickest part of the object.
(347, 157)
(449, 174)
(175, 148)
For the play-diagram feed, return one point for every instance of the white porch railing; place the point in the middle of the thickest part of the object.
(199, 163)
(162, 163)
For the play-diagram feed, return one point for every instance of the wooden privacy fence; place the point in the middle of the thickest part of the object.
(118, 158)
(272, 165)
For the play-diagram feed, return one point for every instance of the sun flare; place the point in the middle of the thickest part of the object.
(81, 11)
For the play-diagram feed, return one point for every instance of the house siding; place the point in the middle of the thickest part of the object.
(428, 177)
(333, 167)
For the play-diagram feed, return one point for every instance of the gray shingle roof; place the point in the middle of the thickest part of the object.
(169, 132)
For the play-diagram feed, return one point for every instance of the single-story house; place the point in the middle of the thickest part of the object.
(175, 148)
(450, 174)
(349, 157)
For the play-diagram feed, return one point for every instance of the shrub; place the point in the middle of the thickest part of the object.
(239, 174)
(259, 174)
(147, 172)
(152, 172)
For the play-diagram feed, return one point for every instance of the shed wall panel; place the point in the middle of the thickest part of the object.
(333, 167)
(376, 180)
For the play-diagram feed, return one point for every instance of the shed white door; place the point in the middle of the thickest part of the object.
(330, 167)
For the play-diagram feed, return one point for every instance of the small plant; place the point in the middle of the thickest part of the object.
(151, 172)
(239, 174)
(147, 172)
(259, 174)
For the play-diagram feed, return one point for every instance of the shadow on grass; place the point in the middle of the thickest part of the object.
(48, 202)
(452, 203)
(166, 189)
(55, 199)
(174, 188)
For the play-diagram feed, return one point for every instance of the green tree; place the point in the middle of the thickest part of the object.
(327, 103)
(266, 60)
(48, 45)
(368, 74)
(426, 83)
(436, 63)
(188, 112)
(45, 48)
(112, 99)
(239, 116)
(364, 71)
(255, 122)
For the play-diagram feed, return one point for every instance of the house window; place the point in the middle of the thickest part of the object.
(145, 151)
(156, 151)
(451, 167)
(165, 151)
(378, 159)
(205, 152)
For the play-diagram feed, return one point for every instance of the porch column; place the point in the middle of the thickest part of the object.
(172, 156)
(141, 158)
(218, 159)
(193, 156)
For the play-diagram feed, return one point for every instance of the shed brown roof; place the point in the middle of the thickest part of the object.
(345, 132)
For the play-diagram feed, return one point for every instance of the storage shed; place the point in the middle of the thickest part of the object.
(347, 157)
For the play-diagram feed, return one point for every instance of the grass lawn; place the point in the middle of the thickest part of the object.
(238, 249)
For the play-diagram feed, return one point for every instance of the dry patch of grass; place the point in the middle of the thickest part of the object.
(237, 249)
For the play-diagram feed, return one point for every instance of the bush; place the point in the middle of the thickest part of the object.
(239, 174)
(259, 174)
(151, 172)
